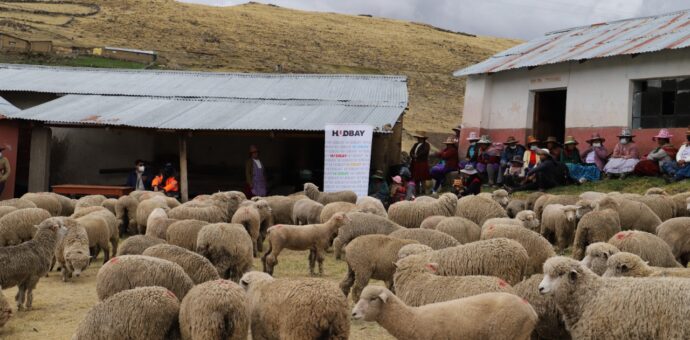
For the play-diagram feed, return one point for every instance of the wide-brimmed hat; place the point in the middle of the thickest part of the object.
(663, 134)
(626, 133)
(595, 136)
(510, 140)
(397, 179)
(419, 134)
(469, 170)
(517, 159)
(532, 140)
(473, 136)
(552, 139)
(378, 174)
(570, 140)
(484, 140)
(451, 140)
(544, 152)
(457, 128)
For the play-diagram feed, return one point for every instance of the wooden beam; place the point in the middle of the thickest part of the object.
(184, 184)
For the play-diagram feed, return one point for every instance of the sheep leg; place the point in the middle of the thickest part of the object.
(65, 273)
(271, 258)
(320, 257)
(390, 286)
(361, 281)
(113, 244)
(348, 281)
(580, 243)
(312, 262)
(30, 293)
(19, 298)
(337, 248)
(106, 253)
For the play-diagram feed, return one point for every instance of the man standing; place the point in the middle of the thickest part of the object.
(420, 161)
(254, 174)
(4, 170)
(138, 178)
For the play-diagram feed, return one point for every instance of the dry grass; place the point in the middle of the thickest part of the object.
(59, 307)
(256, 38)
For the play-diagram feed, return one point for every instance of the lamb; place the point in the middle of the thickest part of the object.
(24, 264)
(137, 244)
(410, 214)
(460, 228)
(132, 271)
(361, 224)
(197, 267)
(550, 325)
(72, 251)
(18, 203)
(526, 218)
(498, 257)
(281, 207)
(538, 248)
(146, 207)
(228, 247)
(676, 233)
(126, 213)
(331, 209)
(312, 191)
(371, 257)
(486, 316)
(500, 196)
(265, 220)
(184, 233)
(515, 206)
(597, 255)
(248, 216)
(682, 202)
(145, 313)
(19, 226)
(432, 238)
(532, 199)
(478, 209)
(295, 308)
(4, 210)
(158, 223)
(215, 310)
(558, 225)
(623, 308)
(662, 205)
(648, 246)
(634, 215)
(598, 225)
(100, 233)
(631, 265)
(314, 237)
(306, 211)
(417, 284)
(5, 310)
(45, 201)
(431, 221)
(547, 199)
(90, 201)
(371, 205)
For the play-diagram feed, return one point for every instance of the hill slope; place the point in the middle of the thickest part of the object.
(257, 38)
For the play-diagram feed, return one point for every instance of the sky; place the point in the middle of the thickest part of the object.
(523, 19)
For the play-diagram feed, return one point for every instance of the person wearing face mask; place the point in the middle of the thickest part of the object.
(471, 155)
(488, 159)
(4, 170)
(596, 153)
(624, 158)
(511, 150)
(139, 178)
(530, 158)
(166, 181)
(655, 160)
(577, 169)
(680, 169)
(554, 147)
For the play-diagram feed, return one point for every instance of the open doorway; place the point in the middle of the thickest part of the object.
(549, 114)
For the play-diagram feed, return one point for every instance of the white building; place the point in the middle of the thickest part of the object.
(600, 78)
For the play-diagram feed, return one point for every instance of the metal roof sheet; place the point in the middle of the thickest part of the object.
(129, 50)
(371, 90)
(209, 114)
(623, 37)
(6, 108)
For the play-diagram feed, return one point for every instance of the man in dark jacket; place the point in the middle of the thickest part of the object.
(139, 179)
(512, 149)
(546, 175)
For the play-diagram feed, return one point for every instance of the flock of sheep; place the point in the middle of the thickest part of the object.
(481, 267)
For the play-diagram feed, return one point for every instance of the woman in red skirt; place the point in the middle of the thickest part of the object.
(420, 161)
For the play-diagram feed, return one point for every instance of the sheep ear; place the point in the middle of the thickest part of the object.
(573, 275)
(606, 255)
(395, 264)
(432, 267)
(383, 296)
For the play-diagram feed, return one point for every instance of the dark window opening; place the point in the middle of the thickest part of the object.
(661, 103)
(549, 114)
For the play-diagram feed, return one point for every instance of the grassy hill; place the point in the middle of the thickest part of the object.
(257, 38)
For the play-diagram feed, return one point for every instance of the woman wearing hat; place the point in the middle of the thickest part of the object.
(625, 156)
(255, 174)
(378, 188)
(544, 176)
(5, 170)
(596, 153)
(449, 163)
(488, 159)
(572, 159)
(420, 160)
(530, 157)
(471, 155)
(665, 152)
(471, 183)
(511, 150)
(554, 147)
(514, 175)
(680, 169)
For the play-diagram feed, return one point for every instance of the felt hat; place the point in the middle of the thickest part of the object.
(378, 174)
(405, 173)
(626, 133)
(473, 136)
(517, 159)
(253, 148)
(457, 128)
(595, 136)
(570, 140)
(451, 140)
(484, 140)
(532, 140)
(419, 134)
(544, 152)
(510, 140)
(397, 179)
(469, 170)
(552, 139)
(663, 134)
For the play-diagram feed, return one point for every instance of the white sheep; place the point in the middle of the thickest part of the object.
(558, 225)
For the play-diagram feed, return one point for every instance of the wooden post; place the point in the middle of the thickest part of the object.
(184, 184)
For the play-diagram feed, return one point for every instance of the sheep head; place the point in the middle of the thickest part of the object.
(371, 303)
(583, 207)
(501, 196)
(562, 275)
(251, 278)
(570, 212)
(656, 191)
(597, 255)
(625, 264)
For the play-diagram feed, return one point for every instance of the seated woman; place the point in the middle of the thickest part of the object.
(679, 169)
(529, 157)
(470, 184)
(578, 170)
(654, 162)
(624, 158)
(510, 151)
(515, 173)
(471, 156)
(544, 176)
(554, 146)
(449, 156)
(488, 160)
(378, 188)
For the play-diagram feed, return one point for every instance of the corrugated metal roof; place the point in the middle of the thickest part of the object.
(371, 90)
(210, 114)
(6, 108)
(129, 50)
(623, 37)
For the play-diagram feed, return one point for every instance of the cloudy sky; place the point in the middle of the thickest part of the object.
(523, 19)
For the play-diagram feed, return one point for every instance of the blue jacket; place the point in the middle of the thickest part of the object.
(132, 180)
(508, 154)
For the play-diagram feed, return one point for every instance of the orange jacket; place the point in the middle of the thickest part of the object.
(170, 184)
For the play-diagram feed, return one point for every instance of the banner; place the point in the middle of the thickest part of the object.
(347, 158)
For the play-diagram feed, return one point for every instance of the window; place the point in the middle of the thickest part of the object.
(661, 103)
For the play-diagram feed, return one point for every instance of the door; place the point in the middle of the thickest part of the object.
(549, 114)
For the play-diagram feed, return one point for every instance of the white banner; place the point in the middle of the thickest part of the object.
(347, 158)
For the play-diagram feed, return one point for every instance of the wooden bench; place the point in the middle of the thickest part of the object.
(81, 190)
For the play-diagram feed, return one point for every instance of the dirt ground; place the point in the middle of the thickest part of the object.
(59, 307)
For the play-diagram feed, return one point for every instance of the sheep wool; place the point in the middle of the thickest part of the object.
(281, 207)
(67, 205)
(45, 201)
(547, 199)
(662, 205)
(371, 257)
(628, 264)
(146, 313)
(131, 271)
(410, 214)
(110, 204)
(432, 238)
(515, 206)
(215, 310)
(431, 221)
(90, 201)
(4, 210)
(146, 207)
(598, 225)
(558, 225)
(228, 246)
(478, 209)
(5, 310)
(371, 205)
(18, 203)
(647, 246)
(184, 233)
(19, 226)
(250, 219)
(622, 308)
(332, 208)
(126, 213)
(596, 256)
(312, 191)
(157, 223)
(460, 228)
(72, 251)
(538, 248)
(550, 325)
(413, 249)
(361, 224)
(676, 233)
(682, 202)
(305, 308)
(635, 215)
(500, 196)
(98, 233)
(135, 245)
(306, 211)
(417, 284)
(197, 267)
(487, 316)
(532, 199)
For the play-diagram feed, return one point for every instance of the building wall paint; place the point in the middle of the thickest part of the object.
(9, 138)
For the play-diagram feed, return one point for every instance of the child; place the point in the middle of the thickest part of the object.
(515, 173)
(398, 190)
